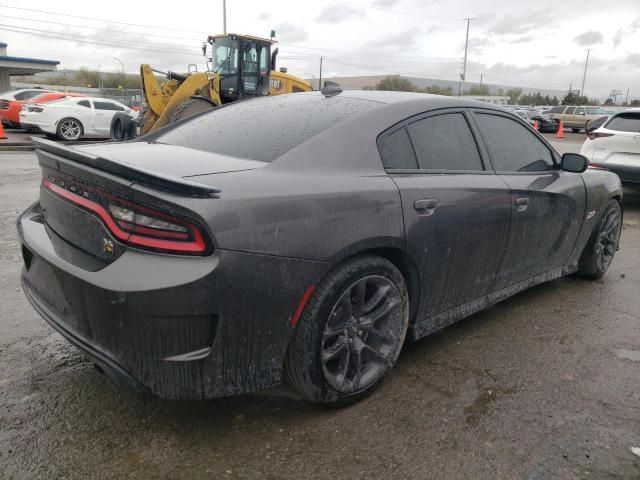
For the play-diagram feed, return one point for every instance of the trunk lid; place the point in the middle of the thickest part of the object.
(81, 184)
(171, 160)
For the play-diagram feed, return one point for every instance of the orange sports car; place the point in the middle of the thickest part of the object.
(12, 111)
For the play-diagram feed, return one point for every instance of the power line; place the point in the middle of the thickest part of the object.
(94, 40)
(293, 45)
(50, 22)
(49, 12)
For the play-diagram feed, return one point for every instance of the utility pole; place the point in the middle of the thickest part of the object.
(224, 16)
(121, 65)
(481, 81)
(584, 77)
(99, 80)
(627, 100)
(320, 81)
(466, 51)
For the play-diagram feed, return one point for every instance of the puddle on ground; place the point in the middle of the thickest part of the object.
(480, 406)
(628, 354)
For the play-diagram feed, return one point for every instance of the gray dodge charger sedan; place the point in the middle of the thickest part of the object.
(304, 237)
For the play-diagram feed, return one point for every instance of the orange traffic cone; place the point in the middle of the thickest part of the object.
(536, 125)
(2, 134)
(560, 132)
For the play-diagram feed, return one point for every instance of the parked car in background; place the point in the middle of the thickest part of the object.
(576, 118)
(615, 146)
(252, 243)
(9, 97)
(74, 118)
(545, 123)
(16, 106)
(595, 124)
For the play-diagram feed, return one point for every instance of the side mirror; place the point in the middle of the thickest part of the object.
(573, 162)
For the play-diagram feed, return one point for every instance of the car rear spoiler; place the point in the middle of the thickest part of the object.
(175, 185)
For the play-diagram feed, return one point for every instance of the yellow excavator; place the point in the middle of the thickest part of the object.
(238, 67)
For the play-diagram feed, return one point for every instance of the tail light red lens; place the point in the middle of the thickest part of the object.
(594, 135)
(136, 224)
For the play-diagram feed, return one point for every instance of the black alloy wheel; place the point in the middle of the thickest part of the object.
(598, 254)
(361, 334)
(350, 333)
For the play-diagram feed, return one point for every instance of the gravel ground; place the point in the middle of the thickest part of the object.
(541, 386)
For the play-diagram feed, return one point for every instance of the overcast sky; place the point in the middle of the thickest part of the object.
(537, 43)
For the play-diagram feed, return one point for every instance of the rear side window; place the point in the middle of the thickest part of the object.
(556, 109)
(625, 122)
(27, 95)
(84, 103)
(396, 150)
(445, 142)
(513, 147)
(265, 128)
(106, 106)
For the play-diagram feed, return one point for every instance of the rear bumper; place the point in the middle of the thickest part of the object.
(176, 327)
(108, 365)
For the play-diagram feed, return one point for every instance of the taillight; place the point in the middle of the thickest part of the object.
(594, 135)
(596, 166)
(136, 224)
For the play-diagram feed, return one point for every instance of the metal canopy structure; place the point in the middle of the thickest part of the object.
(21, 66)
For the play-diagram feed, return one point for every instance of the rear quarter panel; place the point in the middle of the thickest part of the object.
(325, 216)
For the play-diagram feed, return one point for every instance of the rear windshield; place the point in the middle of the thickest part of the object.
(265, 128)
(625, 122)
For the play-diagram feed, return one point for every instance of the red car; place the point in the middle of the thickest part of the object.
(11, 113)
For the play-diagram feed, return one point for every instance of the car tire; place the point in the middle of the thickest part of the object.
(122, 127)
(339, 353)
(603, 243)
(69, 129)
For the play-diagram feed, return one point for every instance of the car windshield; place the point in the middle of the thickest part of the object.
(596, 111)
(264, 128)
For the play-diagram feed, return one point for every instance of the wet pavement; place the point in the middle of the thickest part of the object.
(544, 385)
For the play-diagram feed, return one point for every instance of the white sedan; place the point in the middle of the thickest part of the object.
(73, 118)
(615, 146)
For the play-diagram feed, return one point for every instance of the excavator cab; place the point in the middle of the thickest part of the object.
(242, 64)
(238, 67)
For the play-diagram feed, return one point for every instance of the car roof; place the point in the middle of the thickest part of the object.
(20, 90)
(428, 100)
(95, 99)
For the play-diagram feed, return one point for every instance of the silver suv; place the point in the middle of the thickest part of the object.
(576, 118)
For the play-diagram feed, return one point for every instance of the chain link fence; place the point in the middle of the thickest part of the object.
(130, 97)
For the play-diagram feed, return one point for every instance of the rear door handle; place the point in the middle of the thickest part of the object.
(426, 206)
(522, 203)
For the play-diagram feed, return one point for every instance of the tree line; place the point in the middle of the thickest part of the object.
(83, 77)
(516, 95)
